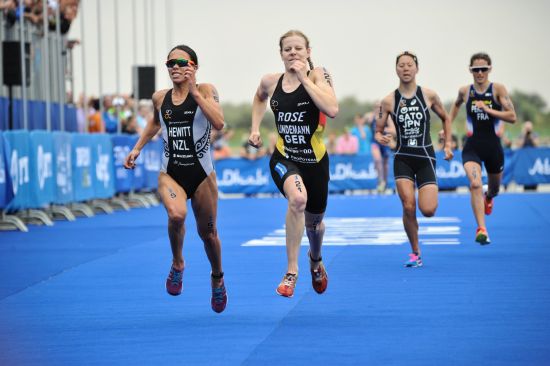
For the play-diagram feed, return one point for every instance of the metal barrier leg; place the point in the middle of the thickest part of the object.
(36, 217)
(11, 222)
(100, 205)
(61, 213)
(82, 209)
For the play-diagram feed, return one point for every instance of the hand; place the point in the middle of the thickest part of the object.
(300, 68)
(129, 162)
(448, 152)
(383, 139)
(255, 140)
(189, 75)
(481, 105)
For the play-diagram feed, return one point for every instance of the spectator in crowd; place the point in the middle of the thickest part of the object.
(144, 114)
(381, 153)
(81, 120)
(95, 122)
(528, 138)
(362, 131)
(220, 143)
(330, 142)
(109, 114)
(347, 144)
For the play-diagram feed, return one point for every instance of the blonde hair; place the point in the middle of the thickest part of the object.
(294, 32)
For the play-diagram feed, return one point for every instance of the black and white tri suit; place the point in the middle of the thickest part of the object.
(186, 135)
(300, 148)
(414, 157)
(483, 143)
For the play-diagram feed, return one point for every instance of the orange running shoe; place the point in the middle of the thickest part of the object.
(319, 277)
(287, 285)
(482, 237)
(488, 204)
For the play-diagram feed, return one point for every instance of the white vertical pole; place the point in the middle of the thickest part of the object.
(23, 66)
(117, 68)
(60, 67)
(99, 58)
(83, 56)
(46, 58)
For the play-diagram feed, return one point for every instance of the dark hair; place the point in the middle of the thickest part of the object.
(480, 56)
(294, 32)
(187, 50)
(407, 53)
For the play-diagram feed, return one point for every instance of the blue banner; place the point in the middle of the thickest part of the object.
(19, 167)
(352, 172)
(532, 166)
(83, 167)
(6, 189)
(237, 175)
(151, 157)
(63, 168)
(41, 167)
(4, 116)
(104, 182)
(122, 144)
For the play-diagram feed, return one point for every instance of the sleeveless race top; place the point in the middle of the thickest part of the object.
(411, 118)
(481, 125)
(299, 123)
(186, 136)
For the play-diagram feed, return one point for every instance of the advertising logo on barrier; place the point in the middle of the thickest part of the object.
(540, 167)
(102, 167)
(44, 165)
(83, 161)
(345, 171)
(19, 170)
(63, 164)
(233, 177)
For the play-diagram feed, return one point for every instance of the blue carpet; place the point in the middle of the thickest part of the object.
(91, 292)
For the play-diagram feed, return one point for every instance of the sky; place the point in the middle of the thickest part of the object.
(237, 42)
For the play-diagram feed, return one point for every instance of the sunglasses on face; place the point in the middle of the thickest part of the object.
(181, 62)
(475, 70)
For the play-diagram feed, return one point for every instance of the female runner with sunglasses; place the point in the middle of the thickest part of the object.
(414, 159)
(301, 97)
(487, 104)
(185, 114)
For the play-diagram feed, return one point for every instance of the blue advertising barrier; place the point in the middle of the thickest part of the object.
(41, 168)
(122, 144)
(451, 174)
(152, 159)
(19, 167)
(6, 189)
(237, 175)
(532, 166)
(102, 156)
(83, 167)
(138, 181)
(63, 168)
(355, 172)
